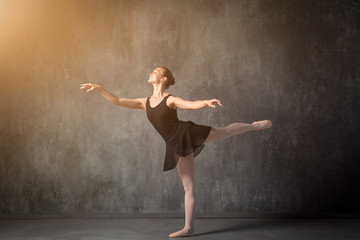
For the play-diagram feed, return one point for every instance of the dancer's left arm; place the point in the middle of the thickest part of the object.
(176, 102)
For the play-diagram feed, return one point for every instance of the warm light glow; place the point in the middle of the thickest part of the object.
(25, 25)
(21, 21)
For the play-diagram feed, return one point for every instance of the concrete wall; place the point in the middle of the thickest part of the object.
(66, 151)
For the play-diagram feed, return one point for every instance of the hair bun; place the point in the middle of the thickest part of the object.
(170, 78)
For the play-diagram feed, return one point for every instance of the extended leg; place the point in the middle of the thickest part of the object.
(185, 167)
(236, 128)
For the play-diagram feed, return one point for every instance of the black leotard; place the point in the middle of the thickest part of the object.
(181, 138)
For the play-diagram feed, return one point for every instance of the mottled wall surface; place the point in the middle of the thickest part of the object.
(67, 151)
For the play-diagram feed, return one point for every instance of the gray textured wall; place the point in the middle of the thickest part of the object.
(66, 151)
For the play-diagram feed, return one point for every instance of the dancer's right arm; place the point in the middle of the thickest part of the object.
(138, 103)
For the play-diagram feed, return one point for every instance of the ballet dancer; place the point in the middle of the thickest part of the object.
(184, 139)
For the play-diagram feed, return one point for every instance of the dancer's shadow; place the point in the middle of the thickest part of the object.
(247, 226)
(222, 230)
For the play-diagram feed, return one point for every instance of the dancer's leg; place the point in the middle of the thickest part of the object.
(234, 129)
(185, 167)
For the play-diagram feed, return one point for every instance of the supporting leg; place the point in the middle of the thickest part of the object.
(185, 168)
(217, 134)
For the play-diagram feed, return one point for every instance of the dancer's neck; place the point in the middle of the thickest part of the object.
(159, 92)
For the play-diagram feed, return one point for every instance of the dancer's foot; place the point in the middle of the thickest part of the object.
(261, 125)
(182, 233)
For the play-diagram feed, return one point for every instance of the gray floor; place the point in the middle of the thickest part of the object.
(208, 229)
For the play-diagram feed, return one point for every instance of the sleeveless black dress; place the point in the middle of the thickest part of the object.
(181, 138)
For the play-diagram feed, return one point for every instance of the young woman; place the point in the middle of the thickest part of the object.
(184, 140)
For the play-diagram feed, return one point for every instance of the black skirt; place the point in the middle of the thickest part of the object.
(187, 138)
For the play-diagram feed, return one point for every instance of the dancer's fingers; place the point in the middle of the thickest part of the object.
(90, 89)
(212, 104)
(213, 101)
(84, 85)
(91, 86)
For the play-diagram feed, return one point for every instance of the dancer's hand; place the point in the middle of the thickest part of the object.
(91, 86)
(211, 103)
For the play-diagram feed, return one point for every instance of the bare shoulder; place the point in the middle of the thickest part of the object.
(143, 102)
(175, 98)
(172, 100)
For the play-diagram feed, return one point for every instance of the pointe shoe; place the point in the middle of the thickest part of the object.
(261, 125)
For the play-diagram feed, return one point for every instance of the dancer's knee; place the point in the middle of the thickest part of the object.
(189, 187)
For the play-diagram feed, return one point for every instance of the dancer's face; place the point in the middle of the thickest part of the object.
(156, 76)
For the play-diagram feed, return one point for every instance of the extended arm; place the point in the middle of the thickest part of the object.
(138, 103)
(176, 102)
